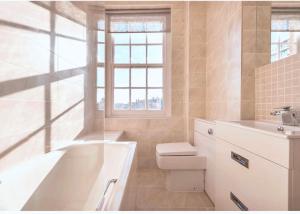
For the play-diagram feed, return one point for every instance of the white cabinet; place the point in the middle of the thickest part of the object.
(248, 182)
(204, 139)
(256, 168)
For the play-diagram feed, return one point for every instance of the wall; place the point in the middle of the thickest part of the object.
(223, 60)
(276, 85)
(42, 72)
(256, 24)
(196, 62)
(149, 132)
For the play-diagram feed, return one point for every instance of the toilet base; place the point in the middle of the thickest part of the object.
(185, 180)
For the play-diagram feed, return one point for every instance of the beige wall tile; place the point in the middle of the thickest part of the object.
(276, 85)
(41, 84)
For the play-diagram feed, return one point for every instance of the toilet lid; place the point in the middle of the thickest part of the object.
(169, 149)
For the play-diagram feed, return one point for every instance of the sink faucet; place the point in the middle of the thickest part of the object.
(288, 115)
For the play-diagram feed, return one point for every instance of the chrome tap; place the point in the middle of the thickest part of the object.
(288, 115)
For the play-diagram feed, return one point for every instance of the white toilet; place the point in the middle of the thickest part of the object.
(185, 167)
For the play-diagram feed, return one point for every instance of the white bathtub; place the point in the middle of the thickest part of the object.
(71, 178)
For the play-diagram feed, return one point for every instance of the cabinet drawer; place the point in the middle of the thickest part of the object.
(275, 149)
(247, 180)
(204, 127)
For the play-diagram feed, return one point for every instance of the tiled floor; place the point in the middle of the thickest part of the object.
(152, 195)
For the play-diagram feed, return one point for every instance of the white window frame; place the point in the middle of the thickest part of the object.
(110, 111)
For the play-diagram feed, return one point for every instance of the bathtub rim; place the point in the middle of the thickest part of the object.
(60, 152)
(118, 196)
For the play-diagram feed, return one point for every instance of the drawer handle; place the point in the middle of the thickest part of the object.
(240, 159)
(210, 131)
(238, 203)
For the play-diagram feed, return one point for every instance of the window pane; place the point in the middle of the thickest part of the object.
(100, 77)
(121, 54)
(154, 26)
(119, 26)
(101, 53)
(155, 77)
(138, 54)
(100, 98)
(121, 99)
(138, 77)
(101, 25)
(279, 24)
(101, 36)
(155, 38)
(121, 77)
(155, 99)
(155, 54)
(138, 99)
(120, 38)
(136, 26)
(275, 37)
(138, 38)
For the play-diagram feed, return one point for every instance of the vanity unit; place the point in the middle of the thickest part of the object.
(204, 139)
(255, 166)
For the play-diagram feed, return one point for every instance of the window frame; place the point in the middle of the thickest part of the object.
(101, 65)
(166, 88)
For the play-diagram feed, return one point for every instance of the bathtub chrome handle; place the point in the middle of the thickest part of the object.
(114, 180)
(101, 203)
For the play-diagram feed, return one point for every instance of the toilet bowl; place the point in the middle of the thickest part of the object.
(184, 166)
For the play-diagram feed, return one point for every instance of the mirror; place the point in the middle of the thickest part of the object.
(285, 30)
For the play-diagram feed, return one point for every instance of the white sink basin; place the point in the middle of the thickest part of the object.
(288, 131)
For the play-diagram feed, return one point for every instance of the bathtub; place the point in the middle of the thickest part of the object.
(83, 176)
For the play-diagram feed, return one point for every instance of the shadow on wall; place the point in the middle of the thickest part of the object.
(42, 71)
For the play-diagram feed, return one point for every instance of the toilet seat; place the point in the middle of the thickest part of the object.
(179, 156)
(170, 149)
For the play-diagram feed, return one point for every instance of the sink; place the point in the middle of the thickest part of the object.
(289, 131)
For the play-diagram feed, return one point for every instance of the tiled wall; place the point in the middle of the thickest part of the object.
(223, 60)
(196, 60)
(276, 85)
(256, 23)
(42, 68)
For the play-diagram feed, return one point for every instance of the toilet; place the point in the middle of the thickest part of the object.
(184, 166)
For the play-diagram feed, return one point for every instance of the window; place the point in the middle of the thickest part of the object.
(101, 65)
(138, 65)
(285, 32)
